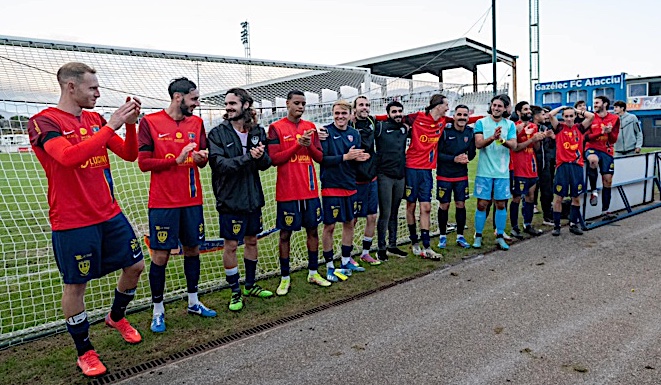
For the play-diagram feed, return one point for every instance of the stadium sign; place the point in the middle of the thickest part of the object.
(580, 83)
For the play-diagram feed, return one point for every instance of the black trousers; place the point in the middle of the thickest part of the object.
(545, 187)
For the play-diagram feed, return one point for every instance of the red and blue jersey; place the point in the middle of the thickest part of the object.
(160, 140)
(597, 140)
(524, 162)
(569, 144)
(297, 177)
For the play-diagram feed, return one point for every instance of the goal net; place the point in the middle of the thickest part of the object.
(30, 284)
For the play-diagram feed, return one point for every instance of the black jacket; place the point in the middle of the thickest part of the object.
(366, 171)
(452, 143)
(235, 175)
(390, 138)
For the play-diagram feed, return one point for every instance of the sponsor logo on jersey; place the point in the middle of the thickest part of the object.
(96, 161)
(83, 131)
(254, 140)
(95, 128)
(161, 136)
(67, 133)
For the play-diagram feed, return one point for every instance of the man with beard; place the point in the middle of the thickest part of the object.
(292, 147)
(524, 164)
(237, 154)
(390, 138)
(366, 181)
(338, 188)
(455, 149)
(545, 163)
(172, 144)
(495, 136)
(600, 139)
(569, 173)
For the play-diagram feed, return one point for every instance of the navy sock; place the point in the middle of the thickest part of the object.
(528, 212)
(313, 260)
(78, 327)
(232, 277)
(514, 214)
(346, 251)
(328, 256)
(592, 178)
(157, 282)
(251, 270)
(572, 215)
(413, 234)
(556, 219)
(192, 272)
(578, 218)
(605, 198)
(367, 244)
(443, 221)
(426, 241)
(120, 303)
(284, 267)
(461, 220)
(493, 216)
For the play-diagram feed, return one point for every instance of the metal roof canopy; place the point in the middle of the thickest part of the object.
(434, 59)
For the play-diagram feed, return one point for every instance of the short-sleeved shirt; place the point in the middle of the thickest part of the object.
(177, 186)
(494, 159)
(425, 133)
(569, 144)
(604, 142)
(525, 161)
(78, 196)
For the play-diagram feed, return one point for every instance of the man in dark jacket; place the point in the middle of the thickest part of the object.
(367, 190)
(236, 154)
(390, 138)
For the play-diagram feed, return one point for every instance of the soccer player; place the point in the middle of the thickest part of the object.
(292, 147)
(390, 138)
(630, 140)
(545, 164)
(569, 172)
(338, 188)
(172, 144)
(495, 136)
(455, 150)
(237, 154)
(524, 164)
(367, 202)
(91, 235)
(599, 152)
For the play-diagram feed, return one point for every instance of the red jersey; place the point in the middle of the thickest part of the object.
(597, 140)
(524, 162)
(80, 185)
(160, 140)
(425, 133)
(297, 177)
(569, 144)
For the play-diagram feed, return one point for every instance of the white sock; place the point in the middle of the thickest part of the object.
(365, 252)
(159, 308)
(192, 299)
(285, 277)
(346, 260)
(330, 265)
(312, 272)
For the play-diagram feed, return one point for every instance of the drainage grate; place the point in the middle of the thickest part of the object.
(144, 367)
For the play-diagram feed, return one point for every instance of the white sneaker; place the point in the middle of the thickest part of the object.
(548, 223)
(417, 251)
(431, 254)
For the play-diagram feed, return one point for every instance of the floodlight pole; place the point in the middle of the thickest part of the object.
(245, 39)
(494, 52)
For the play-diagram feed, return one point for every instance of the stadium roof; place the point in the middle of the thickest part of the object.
(460, 53)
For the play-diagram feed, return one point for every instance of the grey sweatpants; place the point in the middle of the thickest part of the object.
(391, 192)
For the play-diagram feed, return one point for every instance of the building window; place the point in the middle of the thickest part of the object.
(657, 123)
(552, 98)
(638, 89)
(575, 96)
(655, 89)
(608, 92)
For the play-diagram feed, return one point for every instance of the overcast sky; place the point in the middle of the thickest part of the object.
(578, 38)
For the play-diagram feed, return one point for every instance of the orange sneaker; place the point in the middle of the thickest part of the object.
(90, 364)
(124, 328)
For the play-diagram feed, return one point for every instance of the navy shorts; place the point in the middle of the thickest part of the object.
(235, 227)
(168, 227)
(292, 215)
(445, 190)
(521, 185)
(367, 199)
(569, 180)
(606, 162)
(418, 185)
(339, 209)
(93, 251)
